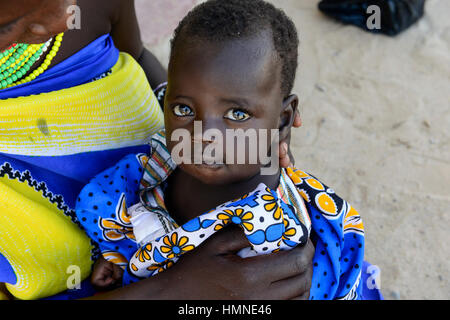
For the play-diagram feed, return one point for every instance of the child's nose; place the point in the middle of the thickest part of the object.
(210, 121)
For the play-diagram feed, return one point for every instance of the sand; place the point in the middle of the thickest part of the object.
(376, 128)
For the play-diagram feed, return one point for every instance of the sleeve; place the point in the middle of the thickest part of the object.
(338, 231)
(101, 209)
(339, 255)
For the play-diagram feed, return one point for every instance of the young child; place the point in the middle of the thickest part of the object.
(232, 66)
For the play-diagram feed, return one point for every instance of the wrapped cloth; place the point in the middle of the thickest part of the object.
(57, 132)
(131, 193)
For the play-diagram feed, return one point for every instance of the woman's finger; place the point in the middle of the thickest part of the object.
(281, 265)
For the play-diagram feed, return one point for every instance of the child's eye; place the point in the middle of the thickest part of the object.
(237, 115)
(182, 110)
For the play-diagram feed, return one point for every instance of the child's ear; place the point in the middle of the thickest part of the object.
(287, 116)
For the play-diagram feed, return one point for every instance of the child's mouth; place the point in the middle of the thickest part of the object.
(209, 166)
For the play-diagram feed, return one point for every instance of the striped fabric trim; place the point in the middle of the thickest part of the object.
(156, 170)
(289, 194)
(160, 165)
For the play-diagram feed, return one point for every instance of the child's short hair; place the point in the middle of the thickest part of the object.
(221, 20)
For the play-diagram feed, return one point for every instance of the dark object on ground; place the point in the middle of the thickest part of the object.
(395, 15)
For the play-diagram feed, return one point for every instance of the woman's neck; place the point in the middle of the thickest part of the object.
(187, 197)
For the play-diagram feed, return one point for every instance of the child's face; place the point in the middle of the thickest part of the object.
(232, 85)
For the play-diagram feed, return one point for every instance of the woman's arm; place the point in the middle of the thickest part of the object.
(127, 37)
(214, 271)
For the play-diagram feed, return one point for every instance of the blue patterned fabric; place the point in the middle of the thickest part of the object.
(337, 228)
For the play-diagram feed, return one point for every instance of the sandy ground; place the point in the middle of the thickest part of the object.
(376, 114)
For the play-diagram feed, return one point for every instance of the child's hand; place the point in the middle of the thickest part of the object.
(106, 274)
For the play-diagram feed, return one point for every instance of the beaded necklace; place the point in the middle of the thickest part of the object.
(16, 61)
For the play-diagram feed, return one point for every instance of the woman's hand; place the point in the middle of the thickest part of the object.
(213, 271)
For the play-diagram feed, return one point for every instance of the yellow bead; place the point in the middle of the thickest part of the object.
(25, 57)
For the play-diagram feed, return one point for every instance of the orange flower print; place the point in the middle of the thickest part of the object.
(238, 217)
(143, 254)
(120, 228)
(160, 267)
(174, 247)
(272, 205)
(289, 232)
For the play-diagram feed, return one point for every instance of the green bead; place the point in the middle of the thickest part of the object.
(12, 70)
(17, 56)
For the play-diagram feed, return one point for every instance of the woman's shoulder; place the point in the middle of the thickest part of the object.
(96, 18)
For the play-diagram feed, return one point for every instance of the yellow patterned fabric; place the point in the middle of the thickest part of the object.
(38, 234)
(112, 112)
(41, 243)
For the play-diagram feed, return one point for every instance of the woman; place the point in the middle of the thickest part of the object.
(71, 108)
